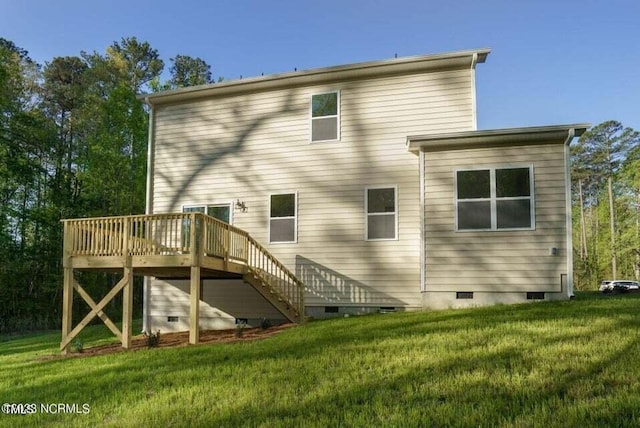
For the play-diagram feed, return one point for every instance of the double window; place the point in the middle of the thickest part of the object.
(495, 199)
(283, 221)
(219, 211)
(325, 117)
(381, 205)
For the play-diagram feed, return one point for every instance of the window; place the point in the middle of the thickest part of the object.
(282, 218)
(495, 199)
(325, 117)
(219, 211)
(381, 207)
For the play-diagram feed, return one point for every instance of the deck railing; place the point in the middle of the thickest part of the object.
(193, 233)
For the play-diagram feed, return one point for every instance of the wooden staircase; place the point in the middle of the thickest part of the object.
(182, 245)
(260, 282)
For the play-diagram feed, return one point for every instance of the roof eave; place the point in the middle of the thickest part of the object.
(421, 63)
(495, 137)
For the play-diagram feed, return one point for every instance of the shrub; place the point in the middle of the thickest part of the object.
(78, 346)
(153, 339)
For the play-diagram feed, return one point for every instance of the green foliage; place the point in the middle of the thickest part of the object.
(189, 71)
(265, 324)
(240, 329)
(606, 190)
(72, 144)
(77, 346)
(553, 364)
(153, 339)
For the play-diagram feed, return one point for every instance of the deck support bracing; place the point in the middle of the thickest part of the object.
(71, 285)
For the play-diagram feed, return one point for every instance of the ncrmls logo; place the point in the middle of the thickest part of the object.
(80, 409)
(49, 408)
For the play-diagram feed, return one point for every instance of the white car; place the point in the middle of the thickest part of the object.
(620, 286)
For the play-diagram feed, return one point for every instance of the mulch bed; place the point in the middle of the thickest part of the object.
(172, 340)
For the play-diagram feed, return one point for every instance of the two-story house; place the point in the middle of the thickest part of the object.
(371, 183)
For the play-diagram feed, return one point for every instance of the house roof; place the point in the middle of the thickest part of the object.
(395, 66)
(495, 137)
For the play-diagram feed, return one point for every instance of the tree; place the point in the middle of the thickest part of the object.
(603, 149)
(189, 71)
(630, 177)
(137, 61)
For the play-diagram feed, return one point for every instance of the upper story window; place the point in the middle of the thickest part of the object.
(325, 116)
(381, 204)
(495, 199)
(283, 218)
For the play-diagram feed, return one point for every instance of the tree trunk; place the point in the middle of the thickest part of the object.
(612, 223)
(637, 267)
(583, 227)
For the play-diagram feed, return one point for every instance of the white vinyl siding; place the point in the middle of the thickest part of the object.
(381, 208)
(248, 147)
(509, 261)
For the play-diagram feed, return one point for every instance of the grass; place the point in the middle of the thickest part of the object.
(540, 364)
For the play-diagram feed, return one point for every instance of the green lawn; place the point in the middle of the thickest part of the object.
(540, 365)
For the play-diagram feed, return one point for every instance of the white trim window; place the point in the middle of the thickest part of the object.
(495, 198)
(283, 218)
(325, 116)
(381, 213)
(220, 211)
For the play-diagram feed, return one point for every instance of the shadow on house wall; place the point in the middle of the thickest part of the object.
(336, 289)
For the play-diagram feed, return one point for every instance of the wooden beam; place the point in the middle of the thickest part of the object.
(194, 310)
(127, 307)
(67, 307)
(107, 321)
(92, 314)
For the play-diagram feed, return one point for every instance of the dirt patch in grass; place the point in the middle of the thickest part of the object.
(173, 340)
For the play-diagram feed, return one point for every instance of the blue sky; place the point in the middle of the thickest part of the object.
(552, 62)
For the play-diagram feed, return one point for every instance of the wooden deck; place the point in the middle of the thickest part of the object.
(188, 245)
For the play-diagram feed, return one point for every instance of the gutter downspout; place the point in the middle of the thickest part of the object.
(423, 243)
(146, 322)
(568, 214)
(474, 108)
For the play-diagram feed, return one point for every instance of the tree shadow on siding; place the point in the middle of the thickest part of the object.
(219, 148)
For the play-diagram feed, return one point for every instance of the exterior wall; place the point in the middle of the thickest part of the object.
(247, 147)
(498, 266)
(222, 301)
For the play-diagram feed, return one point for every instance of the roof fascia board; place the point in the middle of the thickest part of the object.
(494, 137)
(406, 65)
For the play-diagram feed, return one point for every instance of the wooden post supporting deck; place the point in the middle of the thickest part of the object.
(127, 306)
(194, 311)
(67, 306)
(127, 291)
(67, 292)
